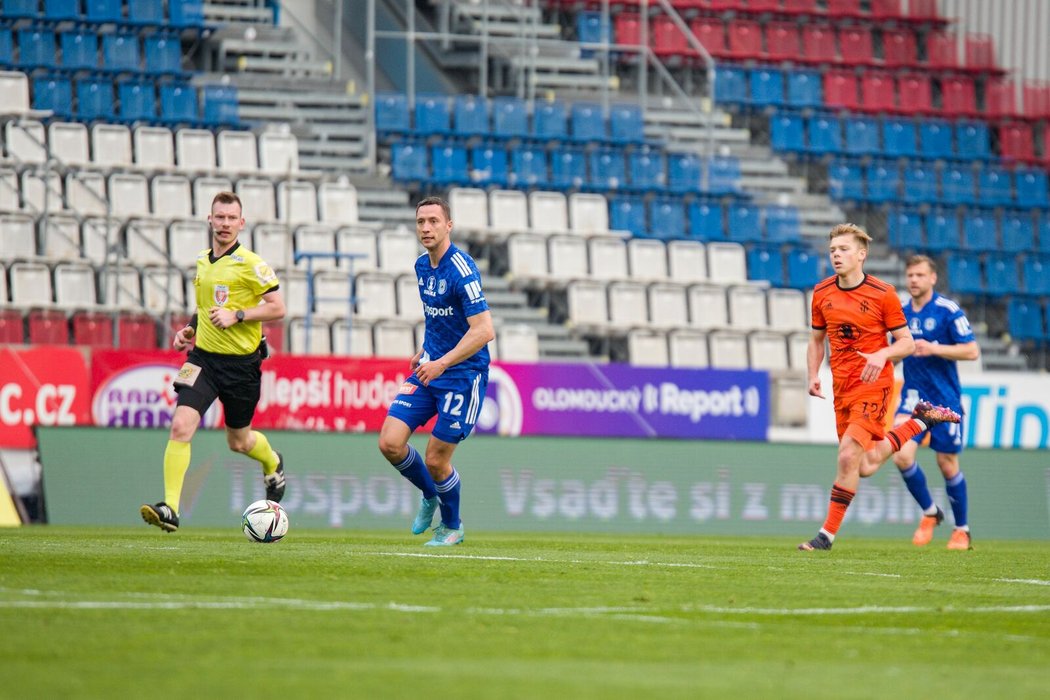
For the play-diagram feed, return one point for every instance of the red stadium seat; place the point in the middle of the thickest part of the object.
(628, 29)
(878, 92)
(668, 40)
(745, 39)
(274, 332)
(801, 7)
(726, 4)
(886, 9)
(855, 45)
(818, 43)
(1000, 98)
(980, 51)
(93, 329)
(711, 33)
(1037, 99)
(958, 97)
(923, 9)
(782, 41)
(48, 327)
(941, 50)
(1046, 147)
(844, 8)
(1015, 141)
(137, 332)
(840, 89)
(763, 5)
(11, 327)
(916, 96)
(898, 47)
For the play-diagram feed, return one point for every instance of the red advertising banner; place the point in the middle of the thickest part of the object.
(133, 389)
(40, 386)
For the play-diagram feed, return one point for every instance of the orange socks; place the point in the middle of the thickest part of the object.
(840, 500)
(902, 433)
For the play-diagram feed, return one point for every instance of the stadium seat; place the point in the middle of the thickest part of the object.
(666, 218)
(432, 115)
(1000, 98)
(1025, 319)
(798, 348)
(315, 339)
(608, 169)
(448, 165)
(683, 172)
(1001, 273)
(178, 103)
(628, 305)
(845, 181)
(862, 135)
(219, 105)
(258, 198)
(883, 181)
(844, 8)
(980, 51)
(743, 223)
(726, 262)
(825, 134)
(588, 214)
(687, 261)
(588, 305)
(548, 212)
(95, 100)
(185, 240)
(550, 121)
(120, 53)
(979, 230)
(195, 150)
(528, 167)
(706, 220)
(646, 348)
(964, 274)
(171, 197)
(146, 12)
(728, 350)
(878, 92)
(1036, 271)
(787, 133)
(587, 122)
(767, 87)
(840, 89)
(996, 186)
(79, 50)
(899, 138)
(36, 49)
(647, 169)
(409, 162)
(941, 51)
(17, 237)
(627, 213)
(804, 89)
(85, 193)
(397, 249)
(723, 175)
(626, 124)
(919, 184)
(470, 115)
(392, 115)
(68, 143)
(687, 348)
(510, 118)
(958, 96)
(647, 260)
(508, 211)
(707, 307)
(138, 100)
(787, 309)
(898, 46)
(54, 94)
(818, 43)
(93, 329)
(709, 31)
(731, 86)
(1016, 141)
(765, 263)
(855, 46)
(768, 351)
(942, 230)
(48, 327)
(782, 41)
(958, 184)
(30, 284)
(527, 257)
(162, 290)
(488, 165)
(916, 94)
(804, 268)
(154, 149)
(59, 239)
(607, 258)
(782, 223)
(146, 242)
(1018, 231)
(935, 138)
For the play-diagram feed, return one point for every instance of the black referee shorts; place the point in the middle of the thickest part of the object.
(233, 379)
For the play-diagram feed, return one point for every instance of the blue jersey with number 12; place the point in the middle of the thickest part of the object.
(451, 293)
(935, 379)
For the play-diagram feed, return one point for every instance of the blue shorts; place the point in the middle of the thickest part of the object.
(456, 401)
(945, 438)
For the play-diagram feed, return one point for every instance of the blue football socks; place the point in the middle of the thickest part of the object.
(448, 497)
(915, 480)
(415, 470)
(956, 488)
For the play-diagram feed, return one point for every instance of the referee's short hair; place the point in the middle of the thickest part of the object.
(227, 198)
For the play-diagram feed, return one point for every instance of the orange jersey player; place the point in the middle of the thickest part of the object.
(854, 311)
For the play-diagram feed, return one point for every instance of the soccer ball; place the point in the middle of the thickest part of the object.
(265, 521)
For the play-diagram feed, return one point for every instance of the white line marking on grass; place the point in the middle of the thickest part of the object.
(864, 610)
(541, 560)
(1032, 581)
(870, 573)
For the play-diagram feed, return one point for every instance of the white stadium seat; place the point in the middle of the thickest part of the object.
(171, 196)
(648, 260)
(375, 296)
(668, 305)
(608, 258)
(768, 350)
(393, 339)
(548, 212)
(687, 348)
(567, 258)
(707, 307)
(787, 309)
(357, 241)
(588, 306)
(628, 305)
(508, 211)
(195, 150)
(111, 145)
(278, 153)
(30, 284)
(687, 261)
(352, 338)
(726, 263)
(470, 210)
(527, 257)
(69, 143)
(747, 308)
(647, 348)
(60, 236)
(337, 203)
(317, 342)
(154, 148)
(518, 342)
(237, 152)
(589, 214)
(296, 203)
(398, 250)
(728, 350)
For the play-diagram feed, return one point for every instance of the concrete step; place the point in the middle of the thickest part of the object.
(772, 183)
(239, 13)
(564, 350)
(524, 314)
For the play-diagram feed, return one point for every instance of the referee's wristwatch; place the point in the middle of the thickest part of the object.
(240, 315)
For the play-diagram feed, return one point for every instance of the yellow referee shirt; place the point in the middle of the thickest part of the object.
(235, 281)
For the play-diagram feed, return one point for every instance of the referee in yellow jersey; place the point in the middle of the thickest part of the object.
(236, 292)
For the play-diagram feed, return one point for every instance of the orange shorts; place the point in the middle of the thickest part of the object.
(862, 415)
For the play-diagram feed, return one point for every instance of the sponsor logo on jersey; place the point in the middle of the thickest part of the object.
(221, 294)
(265, 273)
(433, 311)
(407, 388)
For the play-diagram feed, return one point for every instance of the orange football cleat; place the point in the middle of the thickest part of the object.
(960, 540)
(924, 533)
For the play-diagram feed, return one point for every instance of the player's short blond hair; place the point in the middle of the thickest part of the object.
(861, 236)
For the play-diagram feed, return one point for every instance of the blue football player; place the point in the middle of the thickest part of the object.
(449, 374)
(942, 337)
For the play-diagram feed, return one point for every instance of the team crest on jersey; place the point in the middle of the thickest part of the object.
(265, 273)
(930, 324)
(442, 286)
(221, 294)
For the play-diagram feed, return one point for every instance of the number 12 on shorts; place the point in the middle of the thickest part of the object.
(453, 404)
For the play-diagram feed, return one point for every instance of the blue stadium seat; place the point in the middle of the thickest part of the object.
(666, 218)
(935, 139)
(186, 13)
(743, 223)
(996, 186)
(646, 169)
(510, 117)
(448, 165)
(782, 224)
(7, 47)
(626, 124)
(21, 8)
(979, 230)
(608, 169)
(550, 121)
(825, 134)
(706, 221)
(528, 167)
(1018, 231)
(958, 184)
(178, 103)
(1036, 275)
(95, 100)
(219, 105)
(804, 268)
(409, 162)
(146, 12)
(1043, 228)
(628, 214)
(767, 87)
(590, 29)
(470, 115)
(392, 115)
(906, 230)
(683, 172)
(919, 183)
(432, 115)
(55, 94)
(1031, 187)
(163, 54)
(568, 168)
(488, 165)
(104, 11)
(964, 274)
(883, 181)
(765, 263)
(845, 181)
(120, 53)
(588, 124)
(36, 48)
(899, 138)
(61, 10)
(1024, 319)
(138, 100)
(723, 175)
(79, 50)
(942, 230)
(971, 139)
(787, 133)
(731, 86)
(862, 135)
(1000, 271)
(805, 89)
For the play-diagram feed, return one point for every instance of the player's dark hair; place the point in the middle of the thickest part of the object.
(227, 198)
(919, 260)
(426, 201)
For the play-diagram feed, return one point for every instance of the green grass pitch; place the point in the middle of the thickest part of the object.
(113, 612)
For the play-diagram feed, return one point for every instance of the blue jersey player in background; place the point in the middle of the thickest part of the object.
(942, 337)
(449, 374)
